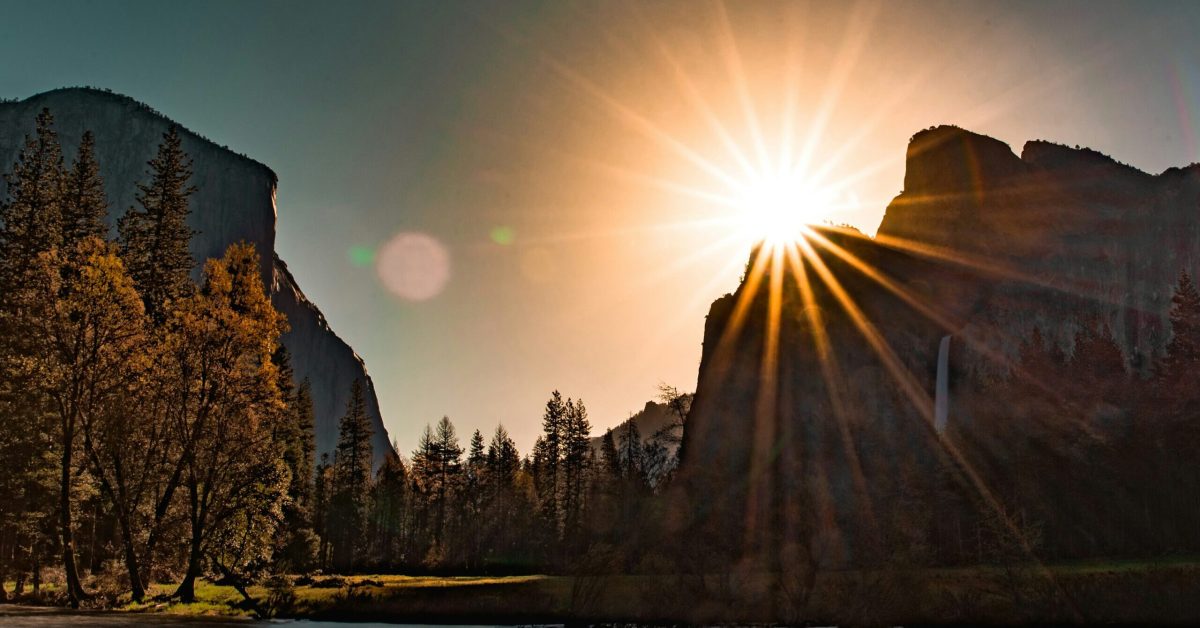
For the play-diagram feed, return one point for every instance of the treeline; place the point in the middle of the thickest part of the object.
(151, 430)
(482, 507)
(1083, 456)
(1088, 457)
(149, 427)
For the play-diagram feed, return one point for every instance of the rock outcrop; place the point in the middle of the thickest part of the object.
(809, 440)
(234, 201)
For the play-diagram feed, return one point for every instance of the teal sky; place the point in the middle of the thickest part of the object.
(557, 151)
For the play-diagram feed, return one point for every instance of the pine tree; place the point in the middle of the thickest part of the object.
(1183, 351)
(84, 205)
(476, 456)
(321, 517)
(609, 458)
(155, 239)
(352, 482)
(437, 470)
(32, 216)
(389, 505)
(30, 236)
(1098, 361)
(304, 445)
(503, 460)
(473, 499)
(450, 471)
(298, 543)
(575, 465)
(502, 503)
(548, 455)
(633, 468)
(30, 223)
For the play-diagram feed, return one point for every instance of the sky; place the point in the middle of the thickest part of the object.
(494, 200)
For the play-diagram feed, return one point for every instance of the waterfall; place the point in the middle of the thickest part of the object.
(941, 400)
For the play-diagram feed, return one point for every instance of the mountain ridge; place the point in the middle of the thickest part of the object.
(982, 246)
(235, 201)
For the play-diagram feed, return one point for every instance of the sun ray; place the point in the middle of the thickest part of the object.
(685, 313)
(764, 445)
(853, 43)
(639, 122)
(948, 323)
(993, 268)
(832, 375)
(733, 326)
(733, 64)
(920, 400)
(693, 96)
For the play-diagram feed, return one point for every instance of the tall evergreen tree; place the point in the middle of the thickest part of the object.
(32, 226)
(322, 502)
(298, 541)
(1183, 350)
(633, 467)
(84, 205)
(32, 215)
(473, 499)
(476, 455)
(609, 458)
(389, 511)
(548, 454)
(503, 507)
(576, 458)
(30, 223)
(437, 470)
(155, 238)
(352, 482)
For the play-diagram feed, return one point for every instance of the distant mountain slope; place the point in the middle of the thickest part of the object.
(822, 460)
(235, 200)
(649, 421)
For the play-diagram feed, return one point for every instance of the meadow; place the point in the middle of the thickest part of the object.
(1165, 591)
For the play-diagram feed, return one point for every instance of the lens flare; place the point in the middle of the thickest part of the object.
(503, 235)
(413, 266)
(361, 255)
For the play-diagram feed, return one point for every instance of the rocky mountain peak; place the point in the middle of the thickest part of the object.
(234, 201)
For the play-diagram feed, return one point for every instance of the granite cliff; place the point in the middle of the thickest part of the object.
(815, 441)
(234, 201)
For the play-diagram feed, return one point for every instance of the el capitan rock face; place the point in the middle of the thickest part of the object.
(235, 200)
(838, 445)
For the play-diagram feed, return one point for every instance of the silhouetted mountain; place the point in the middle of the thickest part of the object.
(649, 421)
(235, 200)
(816, 443)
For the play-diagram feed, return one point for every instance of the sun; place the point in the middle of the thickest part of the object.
(778, 208)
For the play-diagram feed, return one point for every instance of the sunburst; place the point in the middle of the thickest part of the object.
(772, 197)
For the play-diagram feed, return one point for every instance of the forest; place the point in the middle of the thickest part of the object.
(151, 430)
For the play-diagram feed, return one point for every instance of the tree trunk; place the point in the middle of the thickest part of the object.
(239, 584)
(160, 513)
(187, 589)
(37, 572)
(131, 563)
(75, 591)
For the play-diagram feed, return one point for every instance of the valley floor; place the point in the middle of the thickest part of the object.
(1098, 592)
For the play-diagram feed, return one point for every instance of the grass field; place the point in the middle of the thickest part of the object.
(1166, 591)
